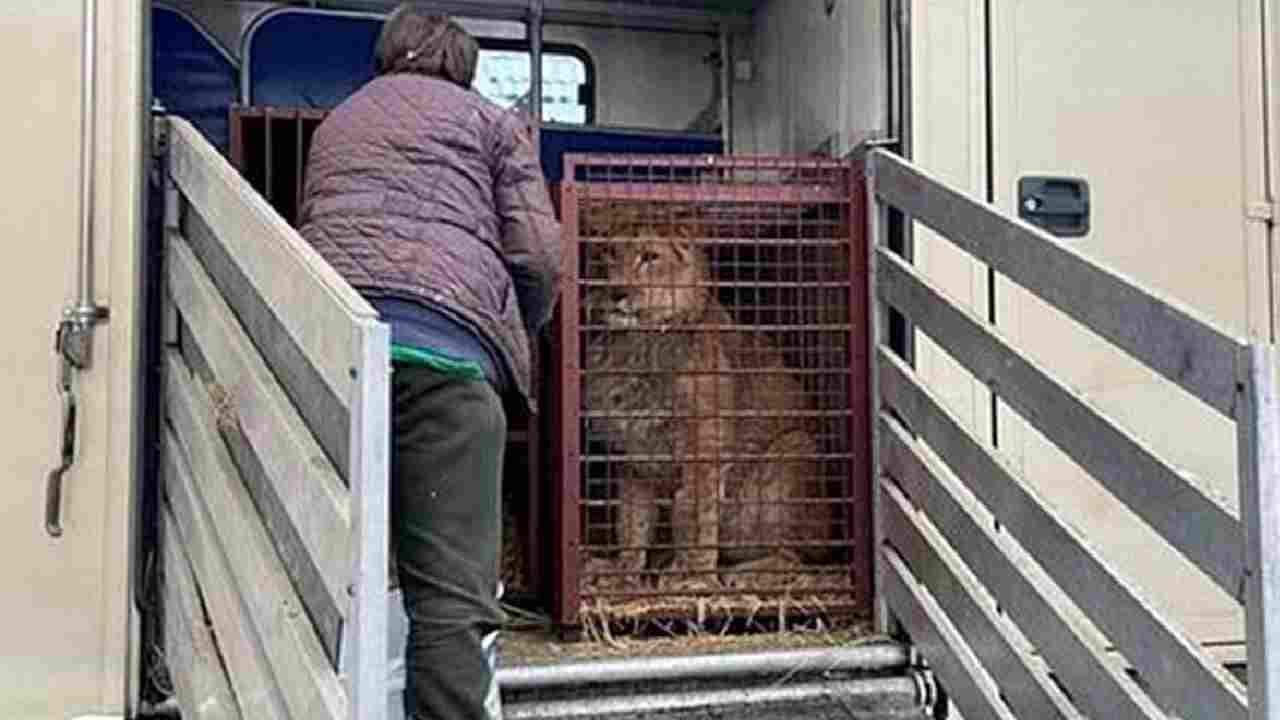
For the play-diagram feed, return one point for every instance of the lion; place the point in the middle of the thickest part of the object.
(665, 366)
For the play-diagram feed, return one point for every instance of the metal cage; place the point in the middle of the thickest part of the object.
(269, 146)
(711, 390)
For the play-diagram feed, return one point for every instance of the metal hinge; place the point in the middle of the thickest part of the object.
(159, 129)
(931, 701)
(159, 142)
(1261, 211)
(873, 141)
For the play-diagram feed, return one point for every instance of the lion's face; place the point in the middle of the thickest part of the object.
(653, 281)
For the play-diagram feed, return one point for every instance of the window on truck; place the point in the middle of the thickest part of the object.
(282, 68)
(503, 76)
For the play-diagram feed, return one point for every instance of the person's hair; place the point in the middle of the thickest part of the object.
(417, 40)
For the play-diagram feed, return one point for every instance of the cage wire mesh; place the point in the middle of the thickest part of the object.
(710, 316)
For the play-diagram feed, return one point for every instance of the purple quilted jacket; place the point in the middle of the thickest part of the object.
(420, 190)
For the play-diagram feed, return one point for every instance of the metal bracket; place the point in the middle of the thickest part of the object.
(159, 130)
(927, 688)
(873, 142)
(75, 334)
(1261, 211)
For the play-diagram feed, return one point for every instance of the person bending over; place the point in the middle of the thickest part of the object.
(430, 201)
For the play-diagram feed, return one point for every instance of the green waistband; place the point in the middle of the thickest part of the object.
(424, 357)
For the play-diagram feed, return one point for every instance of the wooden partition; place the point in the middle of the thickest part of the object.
(1021, 615)
(276, 457)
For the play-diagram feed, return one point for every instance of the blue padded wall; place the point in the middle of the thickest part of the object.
(309, 59)
(191, 76)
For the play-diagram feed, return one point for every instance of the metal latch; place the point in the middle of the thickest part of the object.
(1262, 211)
(73, 345)
(73, 341)
(1059, 205)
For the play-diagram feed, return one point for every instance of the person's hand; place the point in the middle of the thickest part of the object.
(526, 124)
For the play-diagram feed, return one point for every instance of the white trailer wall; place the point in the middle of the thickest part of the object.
(947, 133)
(817, 76)
(66, 620)
(1170, 142)
(1159, 106)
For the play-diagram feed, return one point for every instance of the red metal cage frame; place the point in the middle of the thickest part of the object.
(791, 186)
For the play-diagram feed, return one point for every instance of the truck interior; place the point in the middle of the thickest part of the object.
(806, 464)
(708, 95)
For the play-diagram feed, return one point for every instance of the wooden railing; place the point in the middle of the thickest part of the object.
(939, 559)
(276, 452)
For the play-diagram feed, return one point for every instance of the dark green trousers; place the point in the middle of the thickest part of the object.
(446, 470)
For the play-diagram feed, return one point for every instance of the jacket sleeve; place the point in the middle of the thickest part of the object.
(529, 233)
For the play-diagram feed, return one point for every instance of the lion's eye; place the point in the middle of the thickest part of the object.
(647, 257)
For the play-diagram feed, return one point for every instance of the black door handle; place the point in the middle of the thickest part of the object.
(1060, 205)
